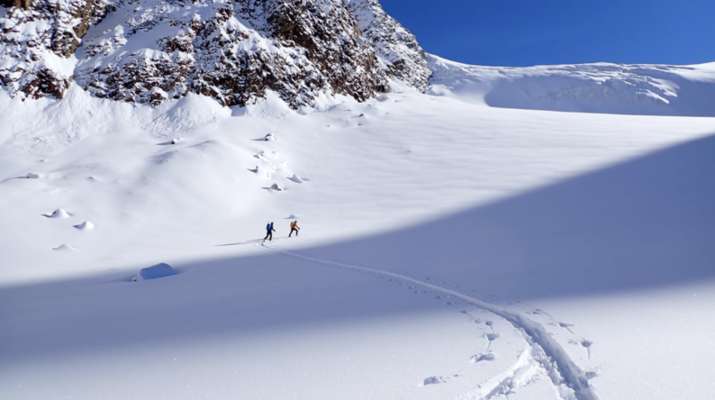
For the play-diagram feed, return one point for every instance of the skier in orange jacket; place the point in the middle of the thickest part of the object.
(294, 228)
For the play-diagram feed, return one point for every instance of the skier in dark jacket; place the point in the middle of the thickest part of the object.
(269, 232)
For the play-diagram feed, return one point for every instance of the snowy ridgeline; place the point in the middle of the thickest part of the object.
(600, 87)
(150, 51)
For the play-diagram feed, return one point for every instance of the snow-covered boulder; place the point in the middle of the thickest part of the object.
(59, 213)
(85, 226)
(161, 270)
(64, 247)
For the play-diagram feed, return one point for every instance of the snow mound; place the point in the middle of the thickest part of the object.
(85, 226)
(477, 358)
(32, 175)
(161, 270)
(596, 88)
(275, 188)
(432, 380)
(296, 179)
(59, 213)
(187, 113)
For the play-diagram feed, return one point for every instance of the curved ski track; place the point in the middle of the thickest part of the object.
(571, 382)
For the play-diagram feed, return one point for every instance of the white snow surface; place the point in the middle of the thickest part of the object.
(600, 87)
(462, 244)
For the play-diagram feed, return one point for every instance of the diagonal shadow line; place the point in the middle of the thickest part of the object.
(642, 224)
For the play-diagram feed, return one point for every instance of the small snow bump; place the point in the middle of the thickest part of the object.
(32, 175)
(432, 380)
(295, 178)
(64, 247)
(59, 213)
(590, 375)
(479, 357)
(85, 226)
(491, 336)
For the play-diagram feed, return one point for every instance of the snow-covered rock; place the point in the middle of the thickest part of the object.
(85, 226)
(38, 40)
(161, 270)
(149, 51)
(32, 175)
(59, 213)
(64, 247)
(398, 51)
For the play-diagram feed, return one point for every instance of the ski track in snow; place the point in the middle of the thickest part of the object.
(570, 381)
(519, 374)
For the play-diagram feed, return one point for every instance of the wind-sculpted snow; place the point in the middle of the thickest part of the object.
(598, 88)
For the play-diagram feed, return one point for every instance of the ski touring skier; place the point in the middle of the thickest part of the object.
(269, 232)
(294, 228)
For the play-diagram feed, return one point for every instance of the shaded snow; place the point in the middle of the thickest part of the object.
(575, 246)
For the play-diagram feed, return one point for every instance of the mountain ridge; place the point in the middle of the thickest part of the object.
(150, 51)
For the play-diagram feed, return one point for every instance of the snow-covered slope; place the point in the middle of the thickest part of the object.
(448, 250)
(461, 243)
(602, 87)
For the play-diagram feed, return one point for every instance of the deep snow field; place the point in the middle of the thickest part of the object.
(451, 248)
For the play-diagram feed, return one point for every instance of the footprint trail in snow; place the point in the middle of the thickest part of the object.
(570, 381)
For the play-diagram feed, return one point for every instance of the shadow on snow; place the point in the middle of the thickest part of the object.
(645, 223)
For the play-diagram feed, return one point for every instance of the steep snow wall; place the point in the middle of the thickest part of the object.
(598, 88)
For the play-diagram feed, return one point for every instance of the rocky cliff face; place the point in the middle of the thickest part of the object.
(399, 53)
(147, 51)
(38, 39)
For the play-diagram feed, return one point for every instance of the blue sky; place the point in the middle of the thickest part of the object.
(527, 32)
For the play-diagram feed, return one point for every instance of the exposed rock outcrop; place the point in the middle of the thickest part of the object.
(37, 38)
(147, 51)
(400, 55)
